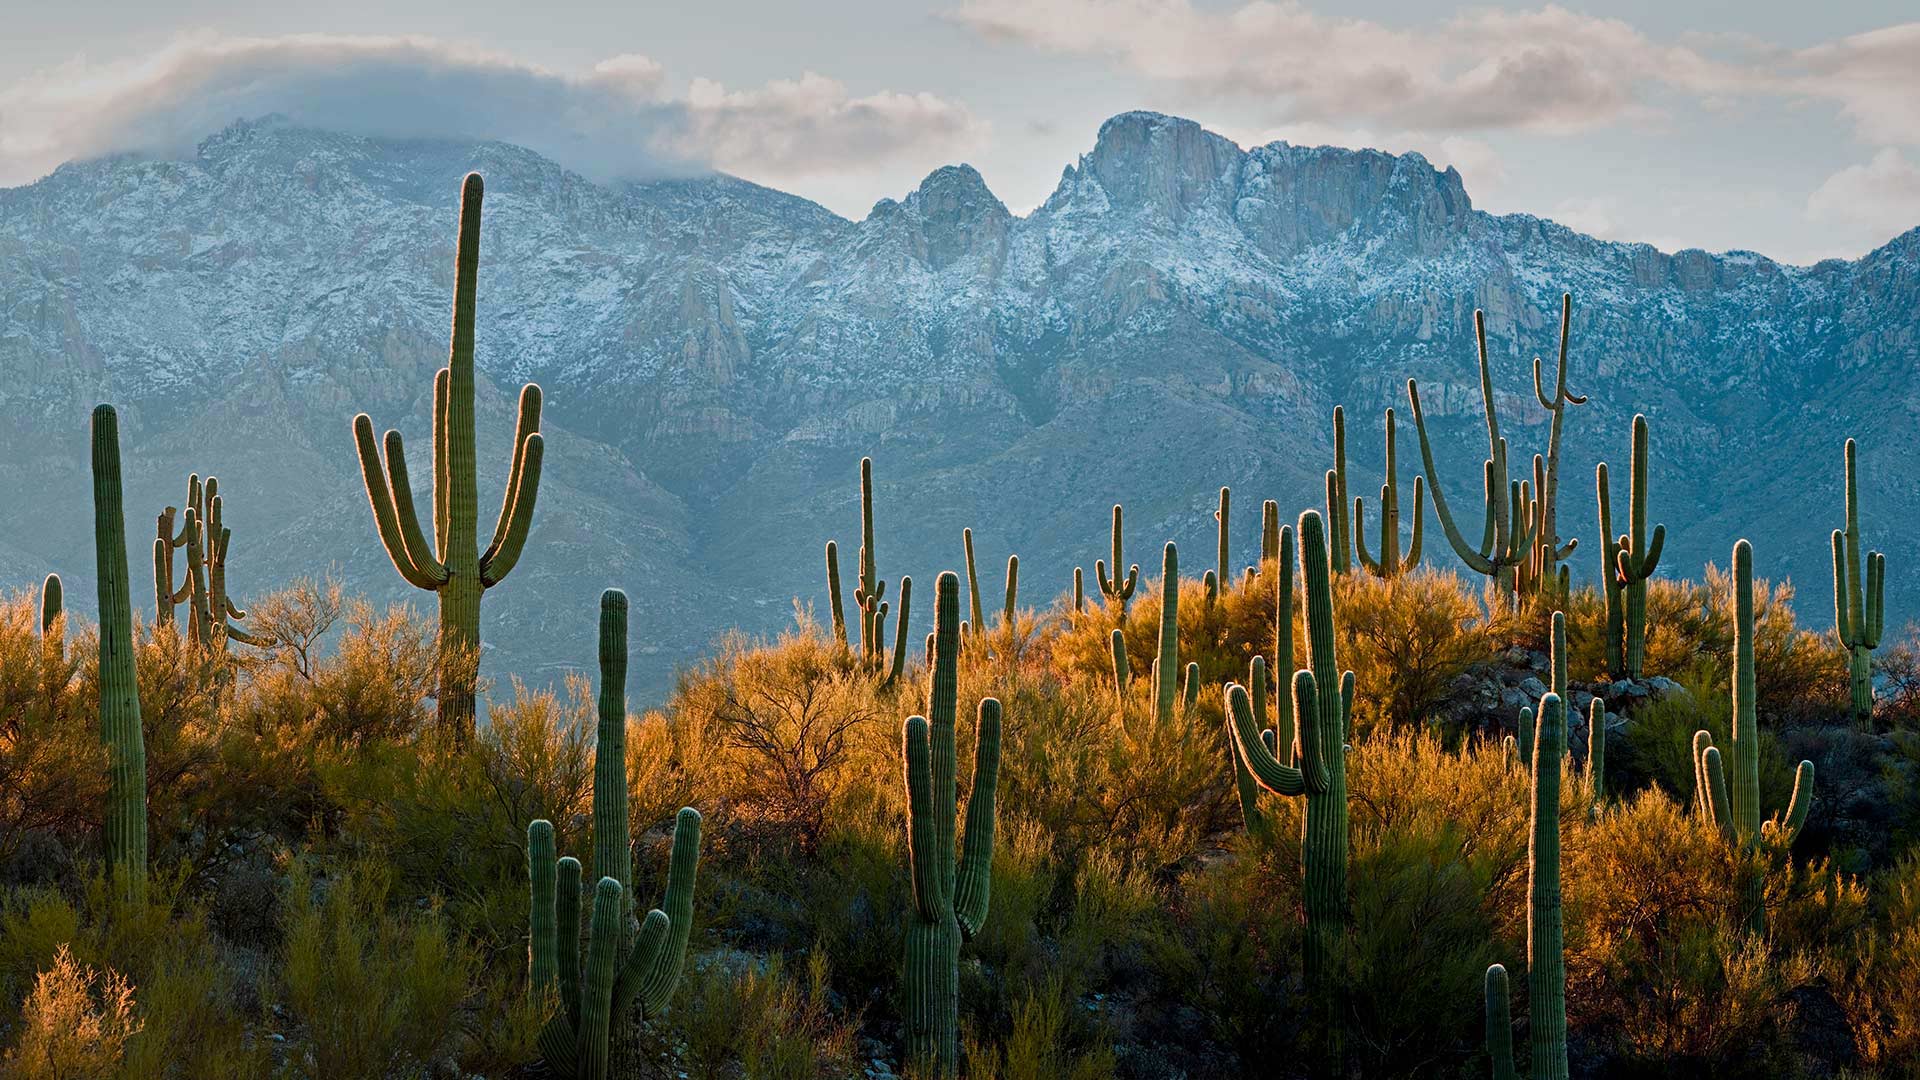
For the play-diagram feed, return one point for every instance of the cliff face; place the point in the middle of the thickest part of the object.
(717, 356)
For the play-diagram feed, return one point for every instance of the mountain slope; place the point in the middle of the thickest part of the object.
(717, 356)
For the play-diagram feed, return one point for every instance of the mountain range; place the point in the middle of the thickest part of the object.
(717, 356)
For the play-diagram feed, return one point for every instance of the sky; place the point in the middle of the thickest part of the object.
(1789, 129)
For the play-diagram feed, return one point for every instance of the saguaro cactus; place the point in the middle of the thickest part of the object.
(1011, 608)
(1507, 537)
(1269, 532)
(454, 568)
(1735, 808)
(623, 969)
(833, 595)
(1220, 516)
(1543, 569)
(53, 639)
(1859, 606)
(1279, 737)
(1597, 751)
(973, 583)
(869, 592)
(1613, 587)
(1116, 591)
(1321, 711)
(1166, 663)
(212, 617)
(1638, 555)
(949, 899)
(1546, 954)
(1337, 525)
(126, 818)
(1390, 563)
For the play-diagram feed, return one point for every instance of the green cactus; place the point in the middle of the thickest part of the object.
(454, 567)
(1338, 529)
(1117, 591)
(1636, 559)
(1321, 775)
(1011, 609)
(1210, 586)
(1543, 569)
(869, 592)
(1859, 605)
(973, 582)
(1390, 563)
(1166, 663)
(899, 662)
(833, 595)
(53, 640)
(1735, 808)
(1220, 516)
(1597, 751)
(622, 968)
(1269, 532)
(1079, 593)
(126, 817)
(212, 617)
(1118, 643)
(1244, 783)
(1613, 587)
(949, 900)
(1546, 954)
(1506, 540)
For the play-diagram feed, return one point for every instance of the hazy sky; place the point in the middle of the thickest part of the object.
(1793, 129)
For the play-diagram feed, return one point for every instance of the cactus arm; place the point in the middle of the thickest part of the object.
(649, 947)
(1371, 564)
(1788, 828)
(899, 661)
(384, 519)
(1476, 560)
(976, 855)
(1283, 721)
(499, 562)
(1245, 786)
(442, 390)
(1252, 751)
(1499, 1023)
(543, 971)
(527, 425)
(921, 843)
(596, 991)
(566, 921)
(1189, 687)
(833, 594)
(1876, 598)
(1640, 567)
(1412, 558)
(663, 974)
(401, 490)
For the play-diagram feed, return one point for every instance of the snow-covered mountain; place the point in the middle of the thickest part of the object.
(717, 356)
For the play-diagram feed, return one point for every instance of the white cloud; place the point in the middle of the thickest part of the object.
(1874, 77)
(1549, 70)
(1873, 202)
(618, 118)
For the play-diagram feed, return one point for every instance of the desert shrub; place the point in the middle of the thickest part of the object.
(1042, 1044)
(1406, 639)
(76, 1024)
(758, 1022)
(372, 993)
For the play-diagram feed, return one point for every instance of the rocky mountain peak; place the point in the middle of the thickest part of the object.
(1162, 164)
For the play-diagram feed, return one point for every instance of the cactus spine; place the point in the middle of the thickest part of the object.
(454, 567)
(1390, 563)
(1321, 712)
(1113, 588)
(622, 968)
(1859, 605)
(1506, 538)
(1543, 569)
(126, 818)
(1734, 808)
(1638, 556)
(949, 899)
(1546, 954)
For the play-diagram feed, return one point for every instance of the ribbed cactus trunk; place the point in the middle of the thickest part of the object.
(950, 898)
(1548, 551)
(1390, 563)
(120, 731)
(453, 566)
(612, 838)
(1117, 590)
(1613, 587)
(1546, 952)
(1221, 549)
(1166, 663)
(53, 641)
(1639, 555)
(1269, 533)
(978, 619)
(1337, 504)
(838, 611)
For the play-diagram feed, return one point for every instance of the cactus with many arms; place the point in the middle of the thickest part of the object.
(1734, 807)
(950, 897)
(869, 591)
(1322, 703)
(1391, 563)
(454, 567)
(1859, 603)
(623, 969)
(212, 616)
(1116, 590)
(126, 817)
(1506, 537)
(1546, 954)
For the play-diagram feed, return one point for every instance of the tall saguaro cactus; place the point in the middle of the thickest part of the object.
(1279, 737)
(1859, 602)
(1391, 563)
(1337, 524)
(1117, 591)
(454, 567)
(1322, 703)
(1166, 672)
(1506, 539)
(1221, 552)
(1734, 807)
(1637, 557)
(949, 898)
(623, 969)
(1546, 952)
(1543, 569)
(126, 818)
